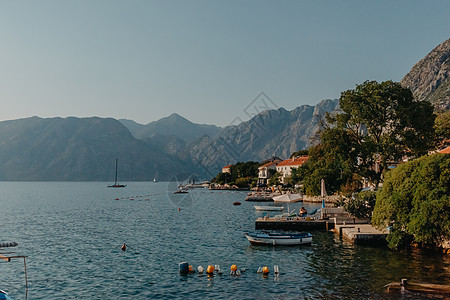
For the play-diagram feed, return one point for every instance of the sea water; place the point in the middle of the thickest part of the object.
(72, 233)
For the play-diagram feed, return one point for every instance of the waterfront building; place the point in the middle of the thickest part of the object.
(285, 167)
(227, 169)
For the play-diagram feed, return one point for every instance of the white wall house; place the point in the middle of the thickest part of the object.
(263, 174)
(285, 167)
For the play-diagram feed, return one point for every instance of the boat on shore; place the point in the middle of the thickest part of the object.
(281, 239)
(269, 208)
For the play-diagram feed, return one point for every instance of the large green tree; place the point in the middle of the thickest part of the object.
(383, 123)
(415, 201)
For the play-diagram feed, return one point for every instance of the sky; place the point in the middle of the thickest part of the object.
(213, 62)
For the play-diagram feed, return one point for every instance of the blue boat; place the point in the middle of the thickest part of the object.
(4, 295)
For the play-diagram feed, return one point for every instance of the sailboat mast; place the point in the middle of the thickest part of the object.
(116, 171)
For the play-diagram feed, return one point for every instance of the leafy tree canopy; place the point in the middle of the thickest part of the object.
(383, 123)
(239, 170)
(442, 128)
(415, 200)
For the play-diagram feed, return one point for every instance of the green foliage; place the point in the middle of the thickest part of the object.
(239, 170)
(415, 200)
(382, 123)
(275, 179)
(442, 128)
(362, 204)
(299, 153)
(333, 160)
(243, 182)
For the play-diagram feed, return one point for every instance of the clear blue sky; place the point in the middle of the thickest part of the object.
(205, 60)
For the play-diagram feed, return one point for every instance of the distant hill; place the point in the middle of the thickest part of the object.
(270, 133)
(68, 149)
(429, 79)
(85, 149)
(173, 125)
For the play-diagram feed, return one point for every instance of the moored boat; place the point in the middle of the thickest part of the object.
(269, 208)
(282, 239)
(116, 183)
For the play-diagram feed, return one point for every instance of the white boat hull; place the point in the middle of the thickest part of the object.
(269, 208)
(281, 240)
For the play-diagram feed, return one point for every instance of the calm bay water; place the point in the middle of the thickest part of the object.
(72, 233)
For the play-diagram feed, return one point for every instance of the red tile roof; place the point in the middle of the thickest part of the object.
(267, 165)
(294, 162)
(445, 150)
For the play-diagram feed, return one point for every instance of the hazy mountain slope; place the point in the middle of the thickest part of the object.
(174, 125)
(271, 133)
(78, 149)
(429, 79)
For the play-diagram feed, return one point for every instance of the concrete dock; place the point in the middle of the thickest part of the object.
(362, 234)
(293, 224)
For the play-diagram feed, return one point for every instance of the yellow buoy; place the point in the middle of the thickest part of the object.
(210, 269)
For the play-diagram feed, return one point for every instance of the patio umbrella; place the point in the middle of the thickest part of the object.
(323, 192)
(288, 198)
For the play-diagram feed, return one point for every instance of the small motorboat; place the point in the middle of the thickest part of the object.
(269, 208)
(180, 192)
(236, 203)
(282, 239)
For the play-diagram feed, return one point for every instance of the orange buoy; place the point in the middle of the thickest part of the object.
(210, 269)
(124, 247)
(233, 268)
(265, 270)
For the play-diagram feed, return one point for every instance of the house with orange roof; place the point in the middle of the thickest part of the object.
(285, 167)
(227, 169)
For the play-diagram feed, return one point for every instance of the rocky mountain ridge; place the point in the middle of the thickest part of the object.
(429, 79)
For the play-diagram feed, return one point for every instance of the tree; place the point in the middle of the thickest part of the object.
(442, 129)
(415, 201)
(299, 153)
(333, 160)
(361, 205)
(275, 179)
(383, 123)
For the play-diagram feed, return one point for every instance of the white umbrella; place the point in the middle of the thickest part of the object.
(323, 192)
(288, 198)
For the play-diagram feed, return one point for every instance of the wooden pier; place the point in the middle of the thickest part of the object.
(437, 291)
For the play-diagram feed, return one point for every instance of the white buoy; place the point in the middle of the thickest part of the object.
(259, 270)
(276, 270)
(238, 273)
(200, 269)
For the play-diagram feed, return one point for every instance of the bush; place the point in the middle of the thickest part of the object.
(415, 202)
(362, 204)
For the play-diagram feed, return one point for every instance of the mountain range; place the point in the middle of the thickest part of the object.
(429, 79)
(85, 149)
